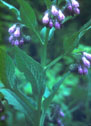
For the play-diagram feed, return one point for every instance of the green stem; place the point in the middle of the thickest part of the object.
(44, 49)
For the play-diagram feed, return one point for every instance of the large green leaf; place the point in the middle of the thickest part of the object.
(18, 104)
(48, 3)
(32, 71)
(7, 69)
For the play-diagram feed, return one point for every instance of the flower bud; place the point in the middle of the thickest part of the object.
(87, 55)
(85, 70)
(21, 41)
(16, 42)
(61, 113)
(50, 24)
(85, 62)
(75, 4)
(54, 10)
(59, 122)
(12, 29)
(45, 19)
(80, 70)
(3, 117)
(57, 25)
(76, 11)
(69, 7)
(60, 15)
(11, 38)
(17, 32)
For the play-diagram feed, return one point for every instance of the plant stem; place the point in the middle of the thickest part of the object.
(44, 49)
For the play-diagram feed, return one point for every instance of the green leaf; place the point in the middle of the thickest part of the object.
(33, 71)
(43, 33)
(29, 18)
(7, 69)
(48, 100)
(73, 41)
(11, 7)
(48, 3)
(17, 103)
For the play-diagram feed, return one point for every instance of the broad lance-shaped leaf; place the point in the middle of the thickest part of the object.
(48, 100)
(29, 18)
(7, 69)
(18, 104)
(72, 41)
(32, 71)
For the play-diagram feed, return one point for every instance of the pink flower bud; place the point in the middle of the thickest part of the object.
(80, 70)
(45, 19)
(11, 38)
(85, 62)
(76, 11)
(21, 41)
(69, 7)
(57, 25)
(87, 55)
(16, 42)
(60, 15)
(50, 24)
(12, 29)
(75, 3)
(17, 32)
(85, 70)
(54, 10)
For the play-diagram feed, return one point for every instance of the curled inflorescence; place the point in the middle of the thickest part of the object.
(15, 35)
(53, 17)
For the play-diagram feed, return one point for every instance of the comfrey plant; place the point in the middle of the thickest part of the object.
(38, 108)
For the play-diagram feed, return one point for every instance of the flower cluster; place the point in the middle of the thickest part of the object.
(73, 7)
(55, 116)
(15, 35)
(85, 63)
(53, 17)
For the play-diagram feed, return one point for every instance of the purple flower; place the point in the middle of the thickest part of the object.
(12, 29)
(57, 25)
(45, 19)
(76, 10)
(85, 62)
(16, 42)
(59, 122)
(54, 11)
(17, 32)
(85, 70)
(11, 38)
(80, 70)
(50, 24)
(21, 41)
(69, 7)
(60, 15)
(61, 113)
(3, 118)
(87, 55)
(75, 4)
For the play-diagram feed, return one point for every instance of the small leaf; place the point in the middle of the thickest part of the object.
(43, 33)
(11, 7)
(7, 69)
(49, 99)
(33, 71)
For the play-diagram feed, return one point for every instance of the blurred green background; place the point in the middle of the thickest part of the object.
(74, 95)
